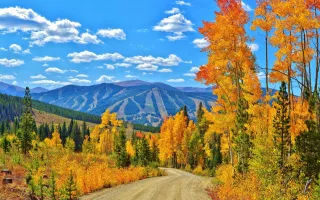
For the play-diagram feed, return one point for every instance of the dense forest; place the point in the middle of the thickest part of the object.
(11, 108)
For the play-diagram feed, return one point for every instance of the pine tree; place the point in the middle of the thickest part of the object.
(69, 191)
(281, 124)
(64, 133)
(184, 109)
(77, 137)
(27, 124)
(242, 138)
(5, 144)
(120, 149)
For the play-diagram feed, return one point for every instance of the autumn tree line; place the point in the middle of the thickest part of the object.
(269, 143)
(66, 161)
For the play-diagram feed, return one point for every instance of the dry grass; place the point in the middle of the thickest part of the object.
(43, 117)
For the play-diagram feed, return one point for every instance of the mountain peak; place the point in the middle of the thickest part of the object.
(132, 83)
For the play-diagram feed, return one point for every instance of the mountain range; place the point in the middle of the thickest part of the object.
(18, 91)
(135, 101)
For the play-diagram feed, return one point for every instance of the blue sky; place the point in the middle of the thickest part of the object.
(54, 43)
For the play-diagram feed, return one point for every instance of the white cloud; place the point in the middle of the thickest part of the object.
(55, 70)
(176, 24)
(179, 80)
(123, 65)
(100, 67)
(194, 69)
(105, 78)
(172, 11)
(42, 30)
(46, 59)
(87, 38)
(3, 49)
(15, 48)
(172, 60)
(188, 62)
(27, 51)
(118, 34)
(39, 76)
(143, 30)
(76, 80)
(50, 82)
(82, 75)
(189, 74)
(261, 75)
(165, 70)
(7, 77)
(201, 43)
(45, 65)
(131, 76)
(16, 18)
(175, 37)
(108, 66)
(246, 7)
(254, 47)
(87, 56)
(15, 83)
(147, 67)
(183, 3)
(145, 73)
(73, 70)
(11, 63)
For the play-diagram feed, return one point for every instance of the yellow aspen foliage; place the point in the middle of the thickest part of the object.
(130, 149)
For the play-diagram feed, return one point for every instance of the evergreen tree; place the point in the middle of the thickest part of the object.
(77, 137)
(308, 148)
(5, 144)
(241, 137)
(69, 191)
(184, 109)
(120, 149)
(2, 128)
(27, 124)
(64, 133)
(281, 124)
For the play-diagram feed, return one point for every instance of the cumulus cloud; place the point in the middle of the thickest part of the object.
(42, 30)
(15, 83)
(165, 70)
(76, 80)
(3, 49)
(183, 3)
(82, 75)
(49, 82)
(55, 70)
(147, 67)
(123, 65)
(100, 67)
(105, 78)
(118, 34)
(194, 69)
(87, 56)
(27, 51)
(108, 66)
(179, 80)
(46, 59)
(172, 11)
(189, 74)
(7, 77)
(201, 43)
(11, 63)
(254, 47)
(246, 7)
(176, 24)
(131, 76)
(172, 60)
(39, 76)
(15, 48)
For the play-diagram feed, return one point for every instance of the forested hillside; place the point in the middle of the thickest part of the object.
(11, 107)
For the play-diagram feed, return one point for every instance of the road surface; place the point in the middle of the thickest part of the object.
(175, 186)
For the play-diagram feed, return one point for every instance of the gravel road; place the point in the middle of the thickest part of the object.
(175, 186)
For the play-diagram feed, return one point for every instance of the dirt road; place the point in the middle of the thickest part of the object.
(175, 186)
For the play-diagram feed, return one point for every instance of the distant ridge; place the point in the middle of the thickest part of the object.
(135, 101)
